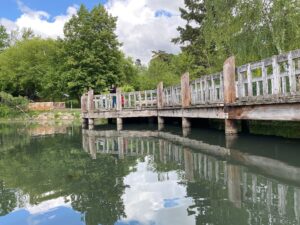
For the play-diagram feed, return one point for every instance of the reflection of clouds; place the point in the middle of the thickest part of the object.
(150, 201)
(48, 205)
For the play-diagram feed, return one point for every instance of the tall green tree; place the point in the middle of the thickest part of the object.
(91, 51)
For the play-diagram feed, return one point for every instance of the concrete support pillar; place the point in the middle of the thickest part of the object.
(161, 123)
(160, 95)
(91, 122)
(231, 127)
(84, 123)
(186, 123)
(229, 94)
(119, 124)
(185, 90)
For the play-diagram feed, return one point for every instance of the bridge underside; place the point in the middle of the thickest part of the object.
(229, 113)
(280, 112)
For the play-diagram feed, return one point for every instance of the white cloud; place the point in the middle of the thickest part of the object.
(138, 27)
(39, 21)
(141, 31)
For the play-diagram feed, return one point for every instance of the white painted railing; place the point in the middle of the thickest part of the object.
(273, 77)
(127, 100)
(172, 96)
(139, 99)
(207, 89)
(105, 102)
(268, 79)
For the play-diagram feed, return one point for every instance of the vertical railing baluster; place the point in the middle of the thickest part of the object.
(249, 79)
(265, 79)
(276, 78)
(292, 75)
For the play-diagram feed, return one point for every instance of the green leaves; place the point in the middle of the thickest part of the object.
(90, 49)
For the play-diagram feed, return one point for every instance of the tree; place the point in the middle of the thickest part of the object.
(92, 58)
(3, 38)
(30, 68)
(250, 30)
(191, 35)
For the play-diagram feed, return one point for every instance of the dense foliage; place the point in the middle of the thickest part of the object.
(250, 30)
(89, 55)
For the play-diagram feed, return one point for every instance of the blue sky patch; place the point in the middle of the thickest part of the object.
(10, 9)
(161, 13)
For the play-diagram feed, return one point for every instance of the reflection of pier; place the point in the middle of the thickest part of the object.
(243, 187)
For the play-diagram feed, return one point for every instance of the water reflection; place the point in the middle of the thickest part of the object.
(213, 174)
(62, 175)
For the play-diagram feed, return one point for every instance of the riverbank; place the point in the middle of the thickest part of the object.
(66, 115)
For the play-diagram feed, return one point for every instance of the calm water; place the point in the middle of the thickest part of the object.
(56, 175)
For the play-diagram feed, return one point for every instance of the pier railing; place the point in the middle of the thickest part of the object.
(270, 79)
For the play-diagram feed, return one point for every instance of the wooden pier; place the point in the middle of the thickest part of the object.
(264, 90)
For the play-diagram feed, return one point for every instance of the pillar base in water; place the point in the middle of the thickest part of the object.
(84, 123)
(186, 123)
(91, 124)
(119, 124)
(231, 127)
(161, 123)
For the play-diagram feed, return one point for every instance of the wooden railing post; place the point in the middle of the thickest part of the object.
(91, 104)
(83, 103)
(160, 95)
(185, 97)
(119, 99)
(160, 104)
(185, 90)
(119, 108)
(229, 80)
(229, 93)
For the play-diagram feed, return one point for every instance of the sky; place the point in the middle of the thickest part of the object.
(143, 26)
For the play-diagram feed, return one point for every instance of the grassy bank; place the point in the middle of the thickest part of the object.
(54, 115)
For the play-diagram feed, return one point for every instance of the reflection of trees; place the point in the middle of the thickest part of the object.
(54, 167)
(8, 199)
(11, 138)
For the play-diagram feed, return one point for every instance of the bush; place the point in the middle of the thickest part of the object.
(13, 102)
(11, 106)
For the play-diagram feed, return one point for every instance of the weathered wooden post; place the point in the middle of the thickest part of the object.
(119, 108)
(229, 93)
(90, 108)
(185, 97)
(83, 104)
(160, 104)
